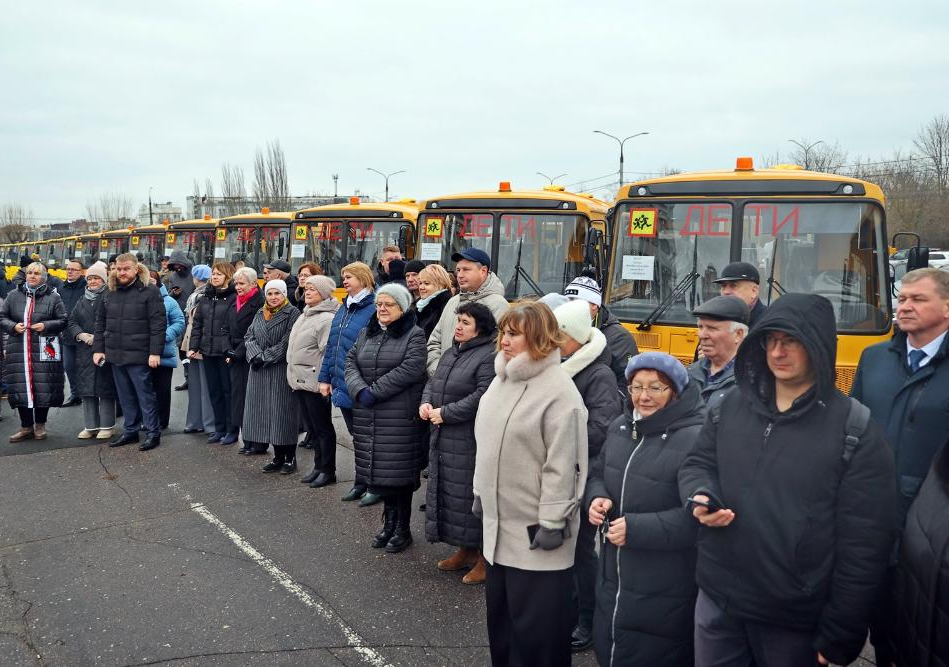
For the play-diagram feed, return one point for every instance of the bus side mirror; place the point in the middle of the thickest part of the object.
(404, 231)
(594, 241)
(917, 258)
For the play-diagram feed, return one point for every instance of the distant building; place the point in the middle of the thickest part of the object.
(220, 207)
(159, 213)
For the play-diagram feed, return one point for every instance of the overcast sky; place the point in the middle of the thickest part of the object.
(119, 96)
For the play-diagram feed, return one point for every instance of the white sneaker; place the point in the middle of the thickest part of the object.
(86, 433)
(104, 433)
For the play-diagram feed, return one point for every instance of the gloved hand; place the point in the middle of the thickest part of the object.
(476, 508)
(256, 362)
(365, 398)
(547, 539)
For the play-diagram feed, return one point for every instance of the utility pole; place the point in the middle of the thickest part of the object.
(151, 218)
(620, 142)
(335, 186)
(386, 176)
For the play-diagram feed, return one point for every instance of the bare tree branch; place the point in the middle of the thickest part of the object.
(16, 222)
(933, 143)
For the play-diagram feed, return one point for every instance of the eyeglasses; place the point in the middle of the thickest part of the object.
(655, 391)
(385, 306)
(789, 344)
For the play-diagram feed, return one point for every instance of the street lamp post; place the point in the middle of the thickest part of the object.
(386, 176)
(540, 173)
(151, 219)
(620, 142)
(807, 151)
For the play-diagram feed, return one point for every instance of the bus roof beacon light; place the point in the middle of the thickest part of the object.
(504, 186)
(354, 201)
(744, 164)
(265, 210)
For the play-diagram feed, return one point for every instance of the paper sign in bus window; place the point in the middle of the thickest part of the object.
(638, 267)
(433, 227)
(642, 221)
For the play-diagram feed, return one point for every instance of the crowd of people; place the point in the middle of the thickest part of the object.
(741, 511)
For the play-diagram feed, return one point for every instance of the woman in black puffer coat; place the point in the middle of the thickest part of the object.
(922, 580)
(210, 338)
(34, 375)
(450, 403)
(385, 375)
(645, 593)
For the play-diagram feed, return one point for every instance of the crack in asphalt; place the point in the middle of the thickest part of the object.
(113, 478)
(17, 628)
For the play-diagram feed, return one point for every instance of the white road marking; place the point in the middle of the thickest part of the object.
(352, 637)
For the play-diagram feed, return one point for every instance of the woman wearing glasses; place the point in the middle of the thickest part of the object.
(385, 375)
(646, 589)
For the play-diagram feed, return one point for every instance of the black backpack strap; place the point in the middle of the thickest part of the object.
(858, 419)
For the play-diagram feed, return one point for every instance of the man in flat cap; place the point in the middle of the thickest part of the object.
(722, 325)
(741, 279)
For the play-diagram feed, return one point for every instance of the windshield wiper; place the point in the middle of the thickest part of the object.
(774, 285)
(520, 271)
(680, 289)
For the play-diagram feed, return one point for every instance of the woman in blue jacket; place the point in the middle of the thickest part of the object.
(161, 376)
(357, 310)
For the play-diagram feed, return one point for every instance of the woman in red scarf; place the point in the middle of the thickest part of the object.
(249, 300)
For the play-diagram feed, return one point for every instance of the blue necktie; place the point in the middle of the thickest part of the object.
(915, 359)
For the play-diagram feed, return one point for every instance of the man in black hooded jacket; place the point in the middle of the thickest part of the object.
(789, 568)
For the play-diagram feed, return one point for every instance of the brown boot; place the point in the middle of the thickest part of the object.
(459, 560)
(25, 433)
(39, 431)
(478, 572)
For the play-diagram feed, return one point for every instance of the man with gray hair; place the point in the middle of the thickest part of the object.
(723, 325)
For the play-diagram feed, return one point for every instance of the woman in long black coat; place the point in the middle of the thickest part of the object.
(33, 316)
(385, 374)
(248, 300)
(645, 594)
(922, 580)
(94, 384)
(450, 404)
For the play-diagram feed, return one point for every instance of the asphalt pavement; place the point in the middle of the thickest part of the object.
(189, 555)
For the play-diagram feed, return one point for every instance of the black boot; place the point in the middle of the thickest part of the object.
(277, 462)
(389, 512)
(313, 474)
(289, 460)
(402, 537)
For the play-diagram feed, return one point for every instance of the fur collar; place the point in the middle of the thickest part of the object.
(395, 330)
(586, 355)
(143, 277)
(522, 367)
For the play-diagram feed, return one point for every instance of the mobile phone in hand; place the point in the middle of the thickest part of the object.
(709, 505)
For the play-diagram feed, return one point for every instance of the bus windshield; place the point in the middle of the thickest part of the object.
(832, 249)
(196, 244)
(367, 239)
(255, 245)
(537, 252)
(150, 247)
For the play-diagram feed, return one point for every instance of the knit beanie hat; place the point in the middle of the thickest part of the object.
(553, 300)
(277, 285)
(660, 361)
(584, 288)
(98, 269)
(574, 320)
(398, 293)
(323, 284)
(201, 272)
(415, 266)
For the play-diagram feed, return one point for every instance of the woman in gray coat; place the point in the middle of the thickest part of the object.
(385, 374)
(33, 316)
(271, 416)
(450, 403)
(307, 346)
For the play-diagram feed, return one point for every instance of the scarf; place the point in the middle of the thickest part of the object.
(359, 297)
(421, 303)
(242, 299)
(93, 294)
(270, 311)
(31, 291)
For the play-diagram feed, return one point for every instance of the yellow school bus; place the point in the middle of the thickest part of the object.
(338, 234)
(86, 249)
(804, 231)
(538, 240)
(195, 238)
(113, 242)
(55, 253)
(254, 238)
(148, 244)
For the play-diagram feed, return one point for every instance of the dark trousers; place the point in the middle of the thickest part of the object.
(133, 384)
(219, 389)
(724, 641)
(529, 616)
(161, 378)
(584, 573)
(317, 413)
(284, 453)
(348, 418)
(238, 370)
(30, 416)
(69, 365)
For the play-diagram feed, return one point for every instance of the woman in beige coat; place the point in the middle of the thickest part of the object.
(305, 351)
(530, 471)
